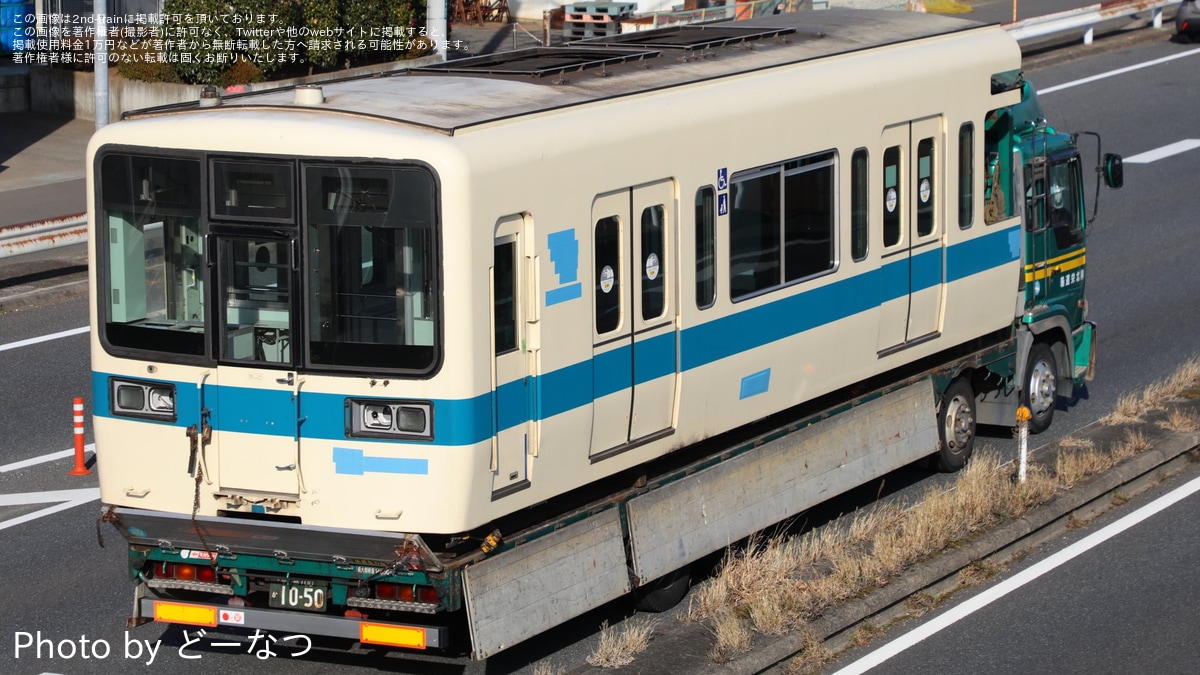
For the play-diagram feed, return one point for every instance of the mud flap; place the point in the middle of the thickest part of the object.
(683, 521)
(541, 584)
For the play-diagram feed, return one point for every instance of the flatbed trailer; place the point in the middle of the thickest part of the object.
(521, 584)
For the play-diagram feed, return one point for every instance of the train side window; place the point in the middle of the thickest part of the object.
(860, 198)
(504, 293)
(893, 198)
(706, 248)
(754, 232)
(966, 175)
(608, 274)
(925, 196)
(654, 262)
(809, 189)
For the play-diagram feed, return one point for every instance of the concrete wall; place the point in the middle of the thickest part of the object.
(14, 90)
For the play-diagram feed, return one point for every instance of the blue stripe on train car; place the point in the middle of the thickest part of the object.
(469, 421)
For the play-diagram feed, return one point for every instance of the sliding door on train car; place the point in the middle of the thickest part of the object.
(514, 434)
(634, 354)
(913, 260)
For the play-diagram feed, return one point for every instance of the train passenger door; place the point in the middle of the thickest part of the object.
(257, 400)
(913, 256)
(513, 436)
(634, 357)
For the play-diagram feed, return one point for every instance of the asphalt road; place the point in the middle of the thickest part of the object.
(1143, 287)
(1125, 605)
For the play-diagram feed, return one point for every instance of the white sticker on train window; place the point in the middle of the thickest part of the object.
(925, 190)
(651, 266)
(606, 278)
(892, 199)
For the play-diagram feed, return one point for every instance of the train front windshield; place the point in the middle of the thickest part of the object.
(269, 262)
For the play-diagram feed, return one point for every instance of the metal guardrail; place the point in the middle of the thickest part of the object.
(1086, 18)
(30, 237)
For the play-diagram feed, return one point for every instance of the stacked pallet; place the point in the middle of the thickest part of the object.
(595, 19)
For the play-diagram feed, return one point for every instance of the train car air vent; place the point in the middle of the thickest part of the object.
(538, 62)
(687, 37)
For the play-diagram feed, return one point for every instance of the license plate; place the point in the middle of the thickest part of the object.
(310, 597)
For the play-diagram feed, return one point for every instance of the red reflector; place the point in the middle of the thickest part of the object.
(428, 594)
(185, 572)
(165, 570)
(386, 591)
(406, 594)
(207, 574)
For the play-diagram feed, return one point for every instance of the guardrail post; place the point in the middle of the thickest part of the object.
(1088, 35)
(1158, 17)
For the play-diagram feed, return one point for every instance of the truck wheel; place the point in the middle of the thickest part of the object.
(956, 426)
(664, 592)
(1040, 393)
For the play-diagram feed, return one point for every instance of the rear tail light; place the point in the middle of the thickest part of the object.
(186, 572)
(406, 593)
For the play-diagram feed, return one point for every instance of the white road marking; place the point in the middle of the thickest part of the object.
(67, 499)
(26, 498)
(1164, 152)
(989, 596)
(1118, 71)
(45, 338)
(90, 447)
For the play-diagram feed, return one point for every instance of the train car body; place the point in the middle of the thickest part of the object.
(395, 310)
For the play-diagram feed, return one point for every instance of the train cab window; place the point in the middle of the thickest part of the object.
(706, 247)
(893, 196)
(608, 274)
(256, 282)
(966, 175)
(374, 290)
(925, 188)
(252, 190)
(654, 263)
(860, 202)
(504, 296)
(152, 271)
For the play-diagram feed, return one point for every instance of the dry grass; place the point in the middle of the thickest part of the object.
(619, 645)
(1181, 421)
(1134, 407)
(812, 657)
(732, 636)
(547, 668)
(781, 584)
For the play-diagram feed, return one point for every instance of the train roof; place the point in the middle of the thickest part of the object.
(464, 93)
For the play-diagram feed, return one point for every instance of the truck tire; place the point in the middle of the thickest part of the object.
(1040, 393)
(664, 592)
(956, 426)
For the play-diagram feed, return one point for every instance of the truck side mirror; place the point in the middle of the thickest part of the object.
(1113, 170)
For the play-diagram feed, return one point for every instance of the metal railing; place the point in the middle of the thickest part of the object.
(1086, 19)
(30, 237)
(39, 236)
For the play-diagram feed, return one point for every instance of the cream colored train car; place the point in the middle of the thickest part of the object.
(419, 302)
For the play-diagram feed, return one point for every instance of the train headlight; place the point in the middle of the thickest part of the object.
(147, 400)
(369, 418)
